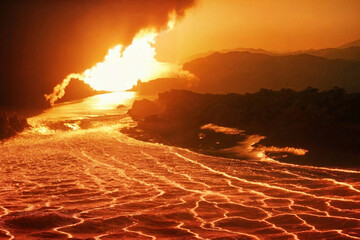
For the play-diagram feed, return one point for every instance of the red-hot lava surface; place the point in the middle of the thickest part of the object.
(97, 183)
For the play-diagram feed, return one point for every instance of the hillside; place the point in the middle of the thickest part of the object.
(241, 72)
(239, 49)
(348, 53)
(355, 43)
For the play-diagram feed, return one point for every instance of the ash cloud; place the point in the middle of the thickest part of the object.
(42, 41)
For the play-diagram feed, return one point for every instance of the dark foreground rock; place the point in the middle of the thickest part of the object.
(10, 124)
(325, 123)
(144, 108)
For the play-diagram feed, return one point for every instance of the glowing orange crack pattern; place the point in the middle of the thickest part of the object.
(101, 184)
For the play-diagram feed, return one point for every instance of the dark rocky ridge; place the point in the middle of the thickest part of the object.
(325, 123)
(10, 124)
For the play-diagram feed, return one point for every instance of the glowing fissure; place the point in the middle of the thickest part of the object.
(296, 151)
(122, 68)
(99, 177)
(221, 129)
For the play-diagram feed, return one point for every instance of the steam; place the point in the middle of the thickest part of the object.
(59, 90)
(123, 67)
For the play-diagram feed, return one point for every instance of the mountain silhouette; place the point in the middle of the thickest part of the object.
(239, 49)
(355, 43)
(348, 53)
(241, 72)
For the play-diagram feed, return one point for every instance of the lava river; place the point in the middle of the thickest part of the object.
(75, 176)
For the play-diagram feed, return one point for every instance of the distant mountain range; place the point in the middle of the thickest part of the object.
(348, 51)
(240, 49)
(241, 72)
(248, 71)
(355, 43)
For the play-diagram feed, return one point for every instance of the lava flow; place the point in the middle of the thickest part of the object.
(74, 175)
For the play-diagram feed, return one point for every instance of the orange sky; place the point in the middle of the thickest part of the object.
(278, 25)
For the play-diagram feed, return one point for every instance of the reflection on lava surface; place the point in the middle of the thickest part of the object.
(95, 182)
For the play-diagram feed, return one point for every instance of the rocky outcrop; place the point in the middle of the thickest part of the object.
(327, 123)
(143, 108)
(10, 124)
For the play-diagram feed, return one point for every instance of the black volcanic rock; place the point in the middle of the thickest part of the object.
(143, 108)
(10, 124)
(326, 123)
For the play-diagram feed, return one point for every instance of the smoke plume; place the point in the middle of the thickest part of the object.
(43, 41)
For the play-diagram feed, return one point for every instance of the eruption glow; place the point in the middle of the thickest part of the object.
(122, 68)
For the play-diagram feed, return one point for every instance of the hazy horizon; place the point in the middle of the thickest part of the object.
(270, 25)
